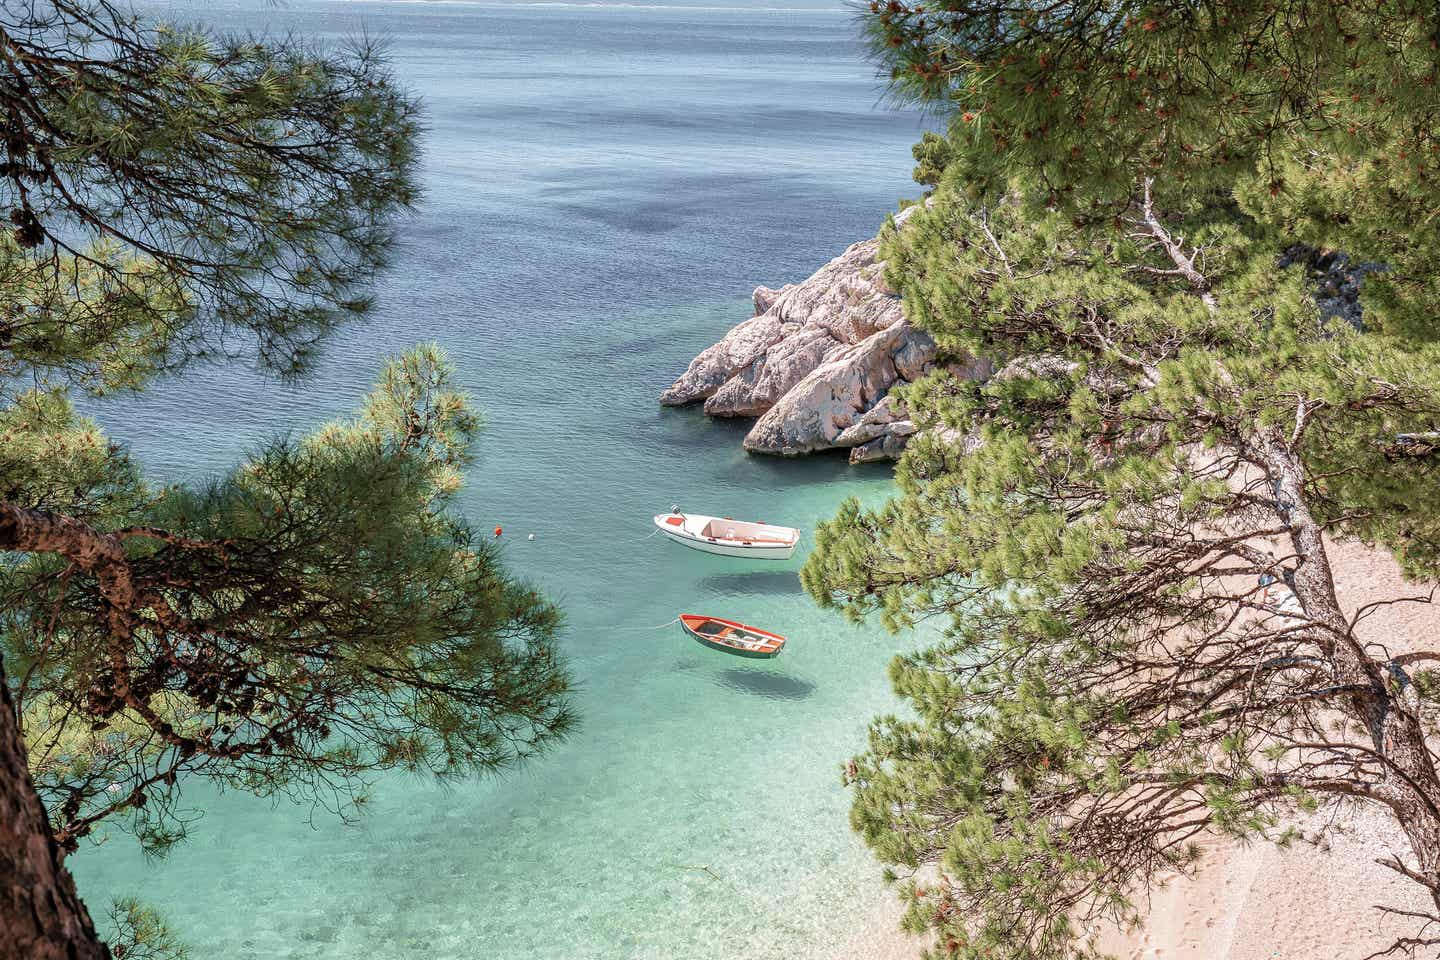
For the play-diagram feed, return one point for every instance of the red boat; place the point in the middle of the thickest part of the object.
(728, 636)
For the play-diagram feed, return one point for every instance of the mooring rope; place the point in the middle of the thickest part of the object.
(664, 625)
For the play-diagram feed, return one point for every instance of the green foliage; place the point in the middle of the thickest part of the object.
(1319, 119)
(1091, 521)
(51, 458)
(1086, 95)
(98, 319)
(140, 933)
(322, 615)
(932, 155)
(178, 194)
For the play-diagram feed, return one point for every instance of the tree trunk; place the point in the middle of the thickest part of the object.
(41, 915)
(1410, 783)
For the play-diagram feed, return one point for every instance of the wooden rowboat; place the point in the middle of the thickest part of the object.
(729, 538)
(727, 636)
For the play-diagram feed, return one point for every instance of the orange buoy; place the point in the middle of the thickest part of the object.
(497, 531)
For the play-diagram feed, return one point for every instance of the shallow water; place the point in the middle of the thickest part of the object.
(605, 185)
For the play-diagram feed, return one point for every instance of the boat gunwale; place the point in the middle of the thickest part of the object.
(679, 530)
(684, 617)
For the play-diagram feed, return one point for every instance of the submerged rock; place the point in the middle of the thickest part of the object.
(817, 363)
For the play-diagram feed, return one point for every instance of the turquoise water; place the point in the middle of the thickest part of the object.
(606, 183)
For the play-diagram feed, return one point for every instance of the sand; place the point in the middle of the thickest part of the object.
(1313, 900)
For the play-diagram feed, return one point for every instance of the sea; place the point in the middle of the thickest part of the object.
(605, 183)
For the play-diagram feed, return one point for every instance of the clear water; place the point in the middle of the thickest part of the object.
(605, 185)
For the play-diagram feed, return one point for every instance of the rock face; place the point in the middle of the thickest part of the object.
(834, 396)
(817, 362)
(1335, 279)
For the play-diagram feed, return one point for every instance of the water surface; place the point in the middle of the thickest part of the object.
(605, 183)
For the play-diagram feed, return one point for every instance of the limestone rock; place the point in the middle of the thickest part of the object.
(718, 363)
(817, 362)
(834, 396)
(759, 386)
(765, 298)
(887, 447)
(1335, 280)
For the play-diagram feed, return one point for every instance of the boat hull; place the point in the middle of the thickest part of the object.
(726, 549)
(732, 637)
(733, 651)
(727, 537)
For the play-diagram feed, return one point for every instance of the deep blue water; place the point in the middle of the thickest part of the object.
(605, 183)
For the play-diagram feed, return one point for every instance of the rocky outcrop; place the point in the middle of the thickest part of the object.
(795, 330)
(832, 397)
(881, 434)
(817, 362)
(741, 347)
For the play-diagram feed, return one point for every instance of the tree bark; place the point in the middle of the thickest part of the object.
(41, 915)
(1410, 784)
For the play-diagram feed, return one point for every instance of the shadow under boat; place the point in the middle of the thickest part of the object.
(753, 581)
(760, 683)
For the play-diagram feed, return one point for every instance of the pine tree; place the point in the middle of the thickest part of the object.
(318, 613)
(1127, 527)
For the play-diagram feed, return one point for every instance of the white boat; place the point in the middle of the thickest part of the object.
(729, 538)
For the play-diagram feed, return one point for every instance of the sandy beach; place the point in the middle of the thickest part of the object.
(1313, 900)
